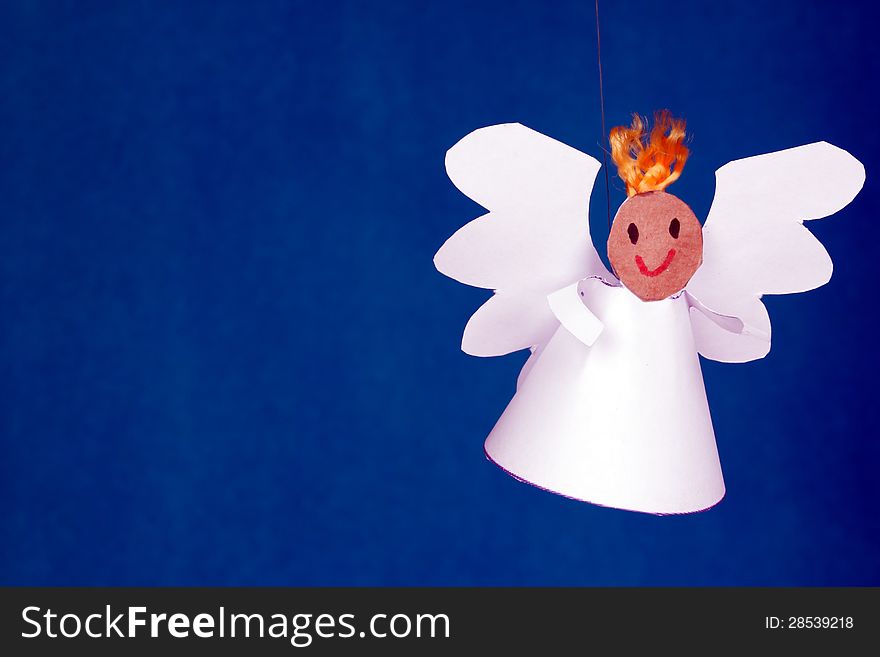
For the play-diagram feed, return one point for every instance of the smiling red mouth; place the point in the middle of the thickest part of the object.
(655, 272)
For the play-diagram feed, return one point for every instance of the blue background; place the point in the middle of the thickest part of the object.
(226, 357)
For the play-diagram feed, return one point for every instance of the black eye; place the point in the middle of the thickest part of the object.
(674, 228)
(633, 233)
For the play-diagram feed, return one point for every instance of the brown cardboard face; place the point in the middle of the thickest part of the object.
(655, 245)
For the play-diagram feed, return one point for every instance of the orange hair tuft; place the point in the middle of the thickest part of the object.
(649, 163)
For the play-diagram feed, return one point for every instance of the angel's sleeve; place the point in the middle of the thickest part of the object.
(755, 243)
(534, 241)
(569, 309)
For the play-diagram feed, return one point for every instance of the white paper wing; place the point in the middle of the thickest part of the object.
(534, 240)
(755, 243)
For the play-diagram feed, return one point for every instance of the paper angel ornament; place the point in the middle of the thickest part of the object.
(610, 407)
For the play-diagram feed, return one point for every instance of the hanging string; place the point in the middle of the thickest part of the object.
(602, 108)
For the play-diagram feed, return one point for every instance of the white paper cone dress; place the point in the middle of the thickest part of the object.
(621, 423)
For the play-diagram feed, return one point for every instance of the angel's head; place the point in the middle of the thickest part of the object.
(656, 241)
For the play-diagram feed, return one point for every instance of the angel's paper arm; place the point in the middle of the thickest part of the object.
(726, 322)
(730, 338)
(568, 307)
